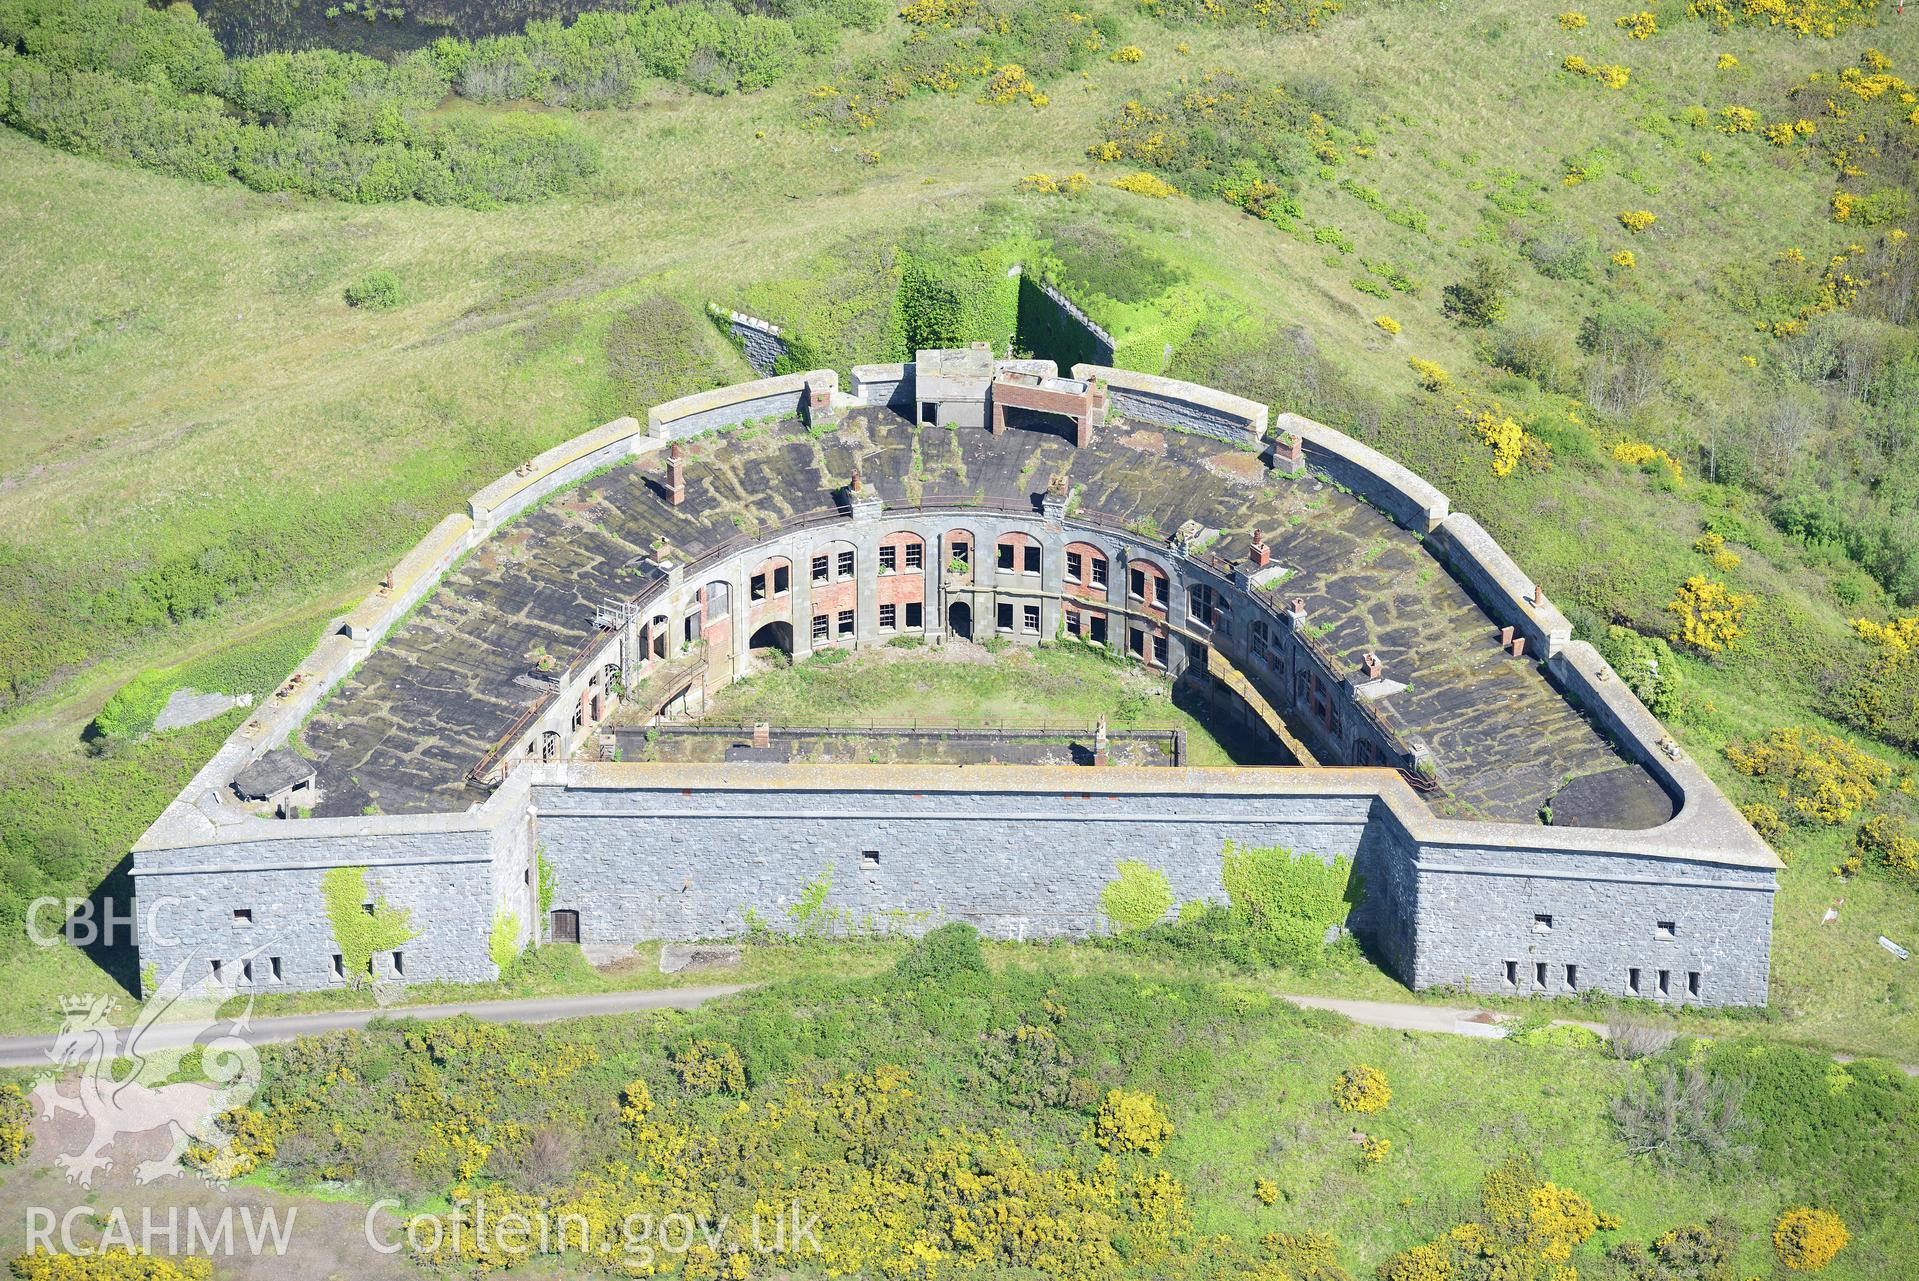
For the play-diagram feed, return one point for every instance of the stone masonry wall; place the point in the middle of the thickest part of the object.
(186, 901)
(642, 864)
(1477, 909)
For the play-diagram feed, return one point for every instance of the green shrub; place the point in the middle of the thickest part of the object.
(1648, 666)
(503, 941)
(378, 290)
(942, 955)
(1288, 901)
(1479, 297)
(364, 924)
(1140, 896)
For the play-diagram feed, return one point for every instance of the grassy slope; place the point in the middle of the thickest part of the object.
(180, 365)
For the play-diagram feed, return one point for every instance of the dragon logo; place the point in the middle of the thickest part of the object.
(119, 1075)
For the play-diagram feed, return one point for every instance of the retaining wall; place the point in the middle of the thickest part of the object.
(1183, 406)
(1500, 586)
(705, 411)
(1395, 490)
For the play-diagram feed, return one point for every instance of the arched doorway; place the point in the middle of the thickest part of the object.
(773, 636)
(959, 620)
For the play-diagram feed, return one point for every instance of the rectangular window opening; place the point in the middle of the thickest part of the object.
(1572, 978)
(846, 565)
(1512, 974)
(1031, 563)
(1073, 566)
(273, 969)
(915, 614)
(822, 569)
(889, 617)
(1692, 983)
(243, 916)
(1005, 556)
(1099, 572)
(846, 622)
(1665, 982)
(915, 556)
(1030, 618)
(1004, 616)
(1542, 922)
(1666, 929)
(339, 966)
(399, 965)
(820, 627)
(1632, 980)
(869, 858)
(1539, 975)
(889, 558)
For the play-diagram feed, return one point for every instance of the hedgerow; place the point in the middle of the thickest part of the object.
(112, 1263)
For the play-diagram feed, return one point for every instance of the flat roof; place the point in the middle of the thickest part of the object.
(403, 731)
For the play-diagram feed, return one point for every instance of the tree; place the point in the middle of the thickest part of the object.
(1626, 342)
(1479, 299)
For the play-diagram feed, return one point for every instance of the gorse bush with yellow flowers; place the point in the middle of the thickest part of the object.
(16, 1123)
(1242, 141)
(941, 1119)
(1362, 1088)
(113, 1263)
(1527, 1226)
(1816, 777)
(1806, 1239)
(1711, 615)
(1823, 18)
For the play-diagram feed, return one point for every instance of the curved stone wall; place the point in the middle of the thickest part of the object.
(1451, 900)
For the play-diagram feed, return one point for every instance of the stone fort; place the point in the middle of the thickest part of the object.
(1520, 822)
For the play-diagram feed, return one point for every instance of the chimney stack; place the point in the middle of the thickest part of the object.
(1262, 555)
(675, 475)
(856, 478)
(1539, 596)
(1372, 667)
(762, 735)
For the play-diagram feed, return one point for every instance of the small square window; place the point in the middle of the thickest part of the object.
(1542, 922)
(915, 556)
(889, 617)
(915, 615)
(1666, 929)
(243, 916)
(822, 569)
(889, 558)
(869, 858)
(367, 907)
(846, 565)
(846, 622)
(822, 627)
(1030, 618)
(1074, 566)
